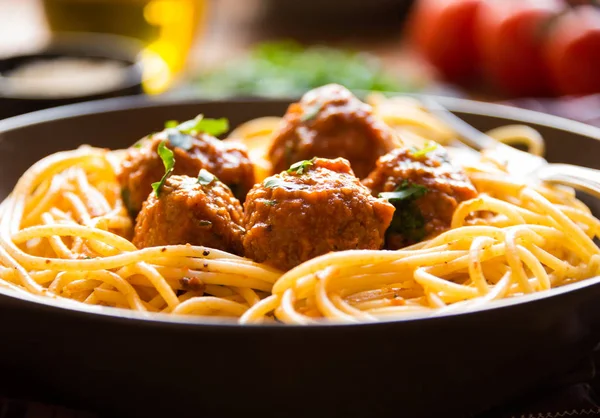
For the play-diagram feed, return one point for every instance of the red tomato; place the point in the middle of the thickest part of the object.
(443, 32)
(510, 35)
(573, 51)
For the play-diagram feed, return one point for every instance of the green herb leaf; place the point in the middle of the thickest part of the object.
(311, 112)
(126, 197)
(139, 143)
(214, 127)
(180, 140)
(205, 177)
(300, 167)
(168, 159)
(418, 153)
(404, 191)
(274, 182)
(408, 222)
(205, 223)
(171, 124)
(270, 202)
(188, 126)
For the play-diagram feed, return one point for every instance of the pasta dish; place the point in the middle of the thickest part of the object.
(339, 211)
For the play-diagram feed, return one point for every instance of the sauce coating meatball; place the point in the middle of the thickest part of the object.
(315, 207)
(425, 188)
(189, 212)
(142, 166)
(330, 122)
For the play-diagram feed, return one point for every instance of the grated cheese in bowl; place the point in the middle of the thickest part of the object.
(63, 77)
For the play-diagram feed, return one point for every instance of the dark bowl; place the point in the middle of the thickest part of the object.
(94, 47)
(120, 363)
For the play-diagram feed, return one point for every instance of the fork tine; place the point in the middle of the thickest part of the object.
(518, 162)
(580, 178)
(468, 134)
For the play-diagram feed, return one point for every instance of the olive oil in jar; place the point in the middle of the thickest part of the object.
(166, 27)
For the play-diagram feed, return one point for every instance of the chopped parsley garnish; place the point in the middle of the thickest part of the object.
(429, 146)
(214, 127)
(300, 167)
(404, 191)
(205, 177)
(171, 124)
(126, 197)
(140, 142)
(270, 202)
(274, 182)
(408, 221)
(166, 155)
(311, 112)
(205, 223)
(181, 134)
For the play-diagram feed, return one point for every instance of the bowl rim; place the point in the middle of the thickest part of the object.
(454, 104)
(115, 105)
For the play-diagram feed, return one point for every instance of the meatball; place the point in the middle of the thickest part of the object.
(142, 166)
(424, 186)
(188, 211)
(330, 122)
(315, 207)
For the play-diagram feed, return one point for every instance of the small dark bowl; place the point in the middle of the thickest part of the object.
(93, 47)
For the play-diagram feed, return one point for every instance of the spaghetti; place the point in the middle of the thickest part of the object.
(64, 233)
